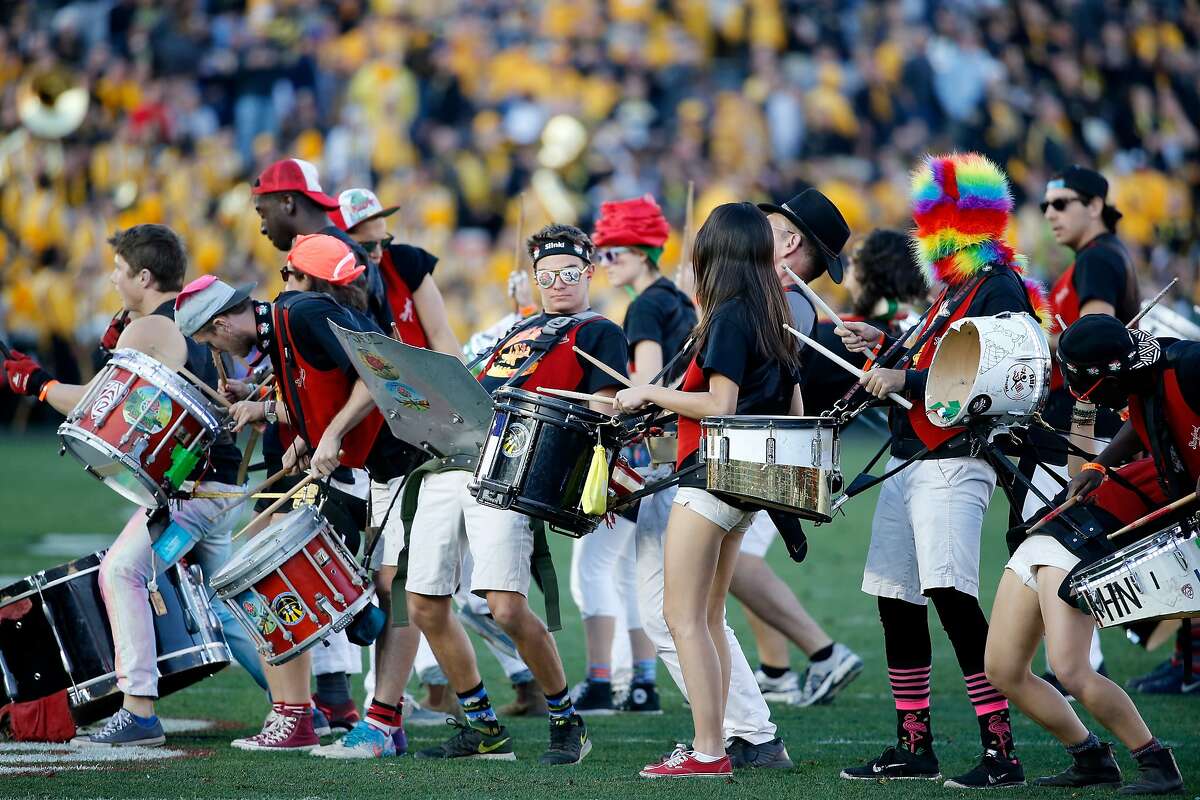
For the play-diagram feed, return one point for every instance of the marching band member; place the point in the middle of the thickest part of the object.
(149, 263)
(1159, 380)
(745, 364)
(929, 518)
(326, 404)
(501, 542)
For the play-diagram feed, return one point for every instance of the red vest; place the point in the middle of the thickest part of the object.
(1183, 422)
(1064, 301)
(694, 380)
(931, 435)
(560, 368)
(400, 301)
(313, 397)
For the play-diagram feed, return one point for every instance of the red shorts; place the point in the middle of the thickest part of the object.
(1127, 505)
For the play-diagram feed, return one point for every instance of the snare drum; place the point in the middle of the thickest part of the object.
(1156, 578)
(293, 585)
(54, 635)
(537, 455)
(788, 463)
(989, 367)
(141, 428)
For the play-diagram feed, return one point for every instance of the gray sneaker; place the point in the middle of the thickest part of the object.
(824, 679)
(122, 730)
(768, 755)
(489, 630)
(420, 716)
(778, 690)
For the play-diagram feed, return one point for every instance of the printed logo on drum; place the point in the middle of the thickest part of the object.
(257, 612)
(516, 441)
(148, 409)
(109, 396)
(1188, 591)
(382, 369)
(979, 405)
(407, 396)
(1020, 382)
(1195, 440)
(287, 607)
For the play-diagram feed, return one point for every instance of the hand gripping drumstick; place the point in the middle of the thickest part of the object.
(1153, 515)
(1152, 303)
(605, 368)
(843, 363)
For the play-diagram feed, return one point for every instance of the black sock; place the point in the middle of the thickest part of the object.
(995, 731)
(909, 653)
(823, 653)
(773, 672)
(333, 688)
(914, 730)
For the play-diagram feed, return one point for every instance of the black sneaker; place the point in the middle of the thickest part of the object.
(768, 755)
(1157, 774)
(471, 742)
(992, 772)
(642, 699)
(1163, 669)
(1095, 766)
(569, 742)
(897, 764)
(593, 697)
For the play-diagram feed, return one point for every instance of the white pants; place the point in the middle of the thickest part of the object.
(746, 713)
(604, 573)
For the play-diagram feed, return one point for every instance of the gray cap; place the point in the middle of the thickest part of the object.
(205, 298)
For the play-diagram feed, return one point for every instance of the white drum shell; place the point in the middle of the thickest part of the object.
(1156, 578)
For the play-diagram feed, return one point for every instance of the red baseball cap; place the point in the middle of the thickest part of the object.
(326, 257)
(294, 175)
(358, 205)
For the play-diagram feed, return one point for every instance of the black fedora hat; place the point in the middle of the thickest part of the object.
(820, 222)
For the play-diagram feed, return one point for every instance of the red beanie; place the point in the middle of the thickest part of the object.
(631, 223)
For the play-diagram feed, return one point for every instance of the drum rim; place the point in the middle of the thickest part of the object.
(172, 383)
(1156, 541)
(244, 573)
(756, 422)
(524, 395)
(73, 431)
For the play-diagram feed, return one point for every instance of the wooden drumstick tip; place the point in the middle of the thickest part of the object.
(605, 368)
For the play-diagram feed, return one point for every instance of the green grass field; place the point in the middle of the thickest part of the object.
(42, 494)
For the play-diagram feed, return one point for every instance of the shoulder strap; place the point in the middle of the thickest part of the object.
(554, 330)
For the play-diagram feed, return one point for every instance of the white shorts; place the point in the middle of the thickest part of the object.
(385, 504)
(927, 526)
(714, 509)
(759, 536)
(449, 524)
(1036, 552)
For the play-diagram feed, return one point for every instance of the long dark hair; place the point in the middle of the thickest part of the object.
(352, 295)
(734, 257)
(886, 270)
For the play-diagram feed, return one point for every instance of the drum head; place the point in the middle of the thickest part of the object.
(107, 464)
(952, 375)
(267, 550)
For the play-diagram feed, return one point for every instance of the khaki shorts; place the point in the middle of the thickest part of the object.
(714, 509)
(1036, 552)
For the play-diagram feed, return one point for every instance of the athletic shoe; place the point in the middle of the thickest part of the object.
(569, 742)
(768, 755)
(778, 690)
(1163, 668)
(593, 697)
(363, 741)
(424, 716)
(683, 764)
(1157, 774)
(642, 699)
(472, 742)
(122, 730)
(529, 702)
(1052, 679)
(400, 740)
(286, 733)
(992, 772)
(897, 764)
(343, 716)
(489, 630)
(1170, 682)
(824, 679)
(1095, 766)
(321, 726)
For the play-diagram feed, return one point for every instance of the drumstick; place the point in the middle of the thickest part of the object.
(271, 509)
(1152, 303)
(843, 363)
(599, 398)
(1153, 515)
(247, 454)
(1062, 323)
(605, 368)
(204, 387)
(220, 365)
(815, 298)
(1071, 501)
(517, 245)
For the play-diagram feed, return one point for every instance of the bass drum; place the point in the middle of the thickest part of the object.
(54, 635)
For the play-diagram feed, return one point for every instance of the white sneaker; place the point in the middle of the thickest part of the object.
(778, 690)
(363, 741)
(824, 679)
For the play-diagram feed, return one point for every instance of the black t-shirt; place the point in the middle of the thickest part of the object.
(411, 263)
(1001, 292)
(308, 319)
(664, 315)
(1101, 273)
(600, 338)
(224, 455)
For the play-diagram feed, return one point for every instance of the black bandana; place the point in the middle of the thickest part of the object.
(561, 247)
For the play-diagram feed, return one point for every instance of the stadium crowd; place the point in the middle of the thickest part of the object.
(456, 110)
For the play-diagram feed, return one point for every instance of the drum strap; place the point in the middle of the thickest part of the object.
(656, 487)
(541, 563)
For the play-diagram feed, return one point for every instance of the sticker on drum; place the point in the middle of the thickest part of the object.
(407, 396)
(979, 405)
(256, 610)
(382, 369)
(109, 395)
(287, 607)
(149, 408)
(1019, 383)
(516, 441)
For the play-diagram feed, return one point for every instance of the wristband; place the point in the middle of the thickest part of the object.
(1092, 465)
(1083, 416)
(45, 389)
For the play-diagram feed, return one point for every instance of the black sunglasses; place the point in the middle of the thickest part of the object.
(1059, 203)
(382, 244)
(287, 272)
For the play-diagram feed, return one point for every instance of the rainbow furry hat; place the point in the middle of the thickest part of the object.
(961, 205)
